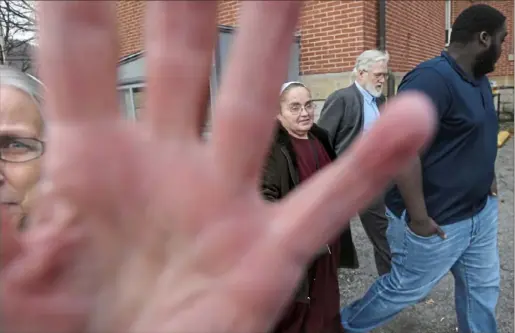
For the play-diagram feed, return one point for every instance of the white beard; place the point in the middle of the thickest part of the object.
(373, 91)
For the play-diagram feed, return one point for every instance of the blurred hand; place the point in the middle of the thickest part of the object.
(144, 227)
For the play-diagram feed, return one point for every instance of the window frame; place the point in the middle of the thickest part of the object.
(448, 14)
(221, 53)
(448, 21)
(130, 110)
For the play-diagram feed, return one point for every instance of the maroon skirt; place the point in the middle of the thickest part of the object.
(322, 314)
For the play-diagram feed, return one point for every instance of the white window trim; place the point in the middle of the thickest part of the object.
(448, 32)
(131, 109)
(448, 21)
(448, 14)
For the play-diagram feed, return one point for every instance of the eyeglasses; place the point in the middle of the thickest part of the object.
(381, 75)
(19, 150)
(296, 108)
(378, 75)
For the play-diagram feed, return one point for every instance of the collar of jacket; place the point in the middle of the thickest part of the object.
(282, 137)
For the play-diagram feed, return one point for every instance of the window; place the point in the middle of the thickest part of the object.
(448, 21)
(131, 99)
(137, 95)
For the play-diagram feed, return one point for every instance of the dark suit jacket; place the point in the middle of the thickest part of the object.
(342, 116)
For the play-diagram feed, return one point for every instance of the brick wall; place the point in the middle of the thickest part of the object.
(130, 15)
(504, 66)
(334, 33)
(412, 36)
(228, 11)
(415, 31)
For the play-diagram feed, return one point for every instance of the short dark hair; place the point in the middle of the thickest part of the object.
(474, 20)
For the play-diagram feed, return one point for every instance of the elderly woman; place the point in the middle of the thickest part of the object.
(300, 149)
(21, 145)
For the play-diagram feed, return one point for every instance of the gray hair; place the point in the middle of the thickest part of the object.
(369, 58)
(13, 77)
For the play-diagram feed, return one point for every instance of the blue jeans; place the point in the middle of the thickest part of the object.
(418, 263)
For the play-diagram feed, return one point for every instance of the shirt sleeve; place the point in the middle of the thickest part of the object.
(432, 84)
(271, 184)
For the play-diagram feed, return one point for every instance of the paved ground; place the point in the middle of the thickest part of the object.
(437, 314)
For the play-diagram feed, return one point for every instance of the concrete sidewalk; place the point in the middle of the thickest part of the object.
(436, 314)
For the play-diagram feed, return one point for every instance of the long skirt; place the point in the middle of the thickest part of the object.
(322, 314)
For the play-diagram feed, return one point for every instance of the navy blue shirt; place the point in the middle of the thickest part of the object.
(458, 168)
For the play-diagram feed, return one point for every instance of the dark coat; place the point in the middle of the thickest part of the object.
(342, 116)
(281, 176)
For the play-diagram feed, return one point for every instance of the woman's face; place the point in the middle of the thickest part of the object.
(20, 119)
(297, 111)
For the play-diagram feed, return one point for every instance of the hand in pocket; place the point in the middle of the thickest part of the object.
(426, 228)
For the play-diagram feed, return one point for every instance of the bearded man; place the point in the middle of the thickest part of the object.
(349, 112)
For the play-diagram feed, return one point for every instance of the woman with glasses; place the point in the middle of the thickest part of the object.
(299, 150)
(21, 145)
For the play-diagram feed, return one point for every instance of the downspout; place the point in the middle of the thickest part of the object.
(381, 44)
(381, 33)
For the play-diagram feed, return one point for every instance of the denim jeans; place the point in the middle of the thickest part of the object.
(469, 252)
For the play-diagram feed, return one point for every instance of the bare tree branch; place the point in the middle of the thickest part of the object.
(17, 32)
(21, 14)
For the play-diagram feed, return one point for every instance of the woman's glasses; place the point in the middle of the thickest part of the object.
(19, 150)
(296, 108)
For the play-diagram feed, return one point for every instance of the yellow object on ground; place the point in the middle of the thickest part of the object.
(502, 137)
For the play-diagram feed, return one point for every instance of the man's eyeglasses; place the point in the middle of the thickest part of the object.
(296, 108)
(378, 75)
(381, 75)
(19, 150)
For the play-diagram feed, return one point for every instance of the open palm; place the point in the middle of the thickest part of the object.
(144, 227)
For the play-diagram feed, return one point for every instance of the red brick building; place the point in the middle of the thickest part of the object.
(334, 33)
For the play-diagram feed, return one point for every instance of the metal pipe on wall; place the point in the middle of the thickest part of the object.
(381, 44)
(381, 32)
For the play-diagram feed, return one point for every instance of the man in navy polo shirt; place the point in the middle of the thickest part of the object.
(443, 210)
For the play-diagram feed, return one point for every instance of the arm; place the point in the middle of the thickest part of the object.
(331, 119)
(271, 185)
(410, 181)
(493, 188)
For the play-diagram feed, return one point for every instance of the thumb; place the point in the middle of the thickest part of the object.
(439, 230)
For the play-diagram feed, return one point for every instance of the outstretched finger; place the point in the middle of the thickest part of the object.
(249, 95)
(180, 39)
(325, 204)
(78, 55)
